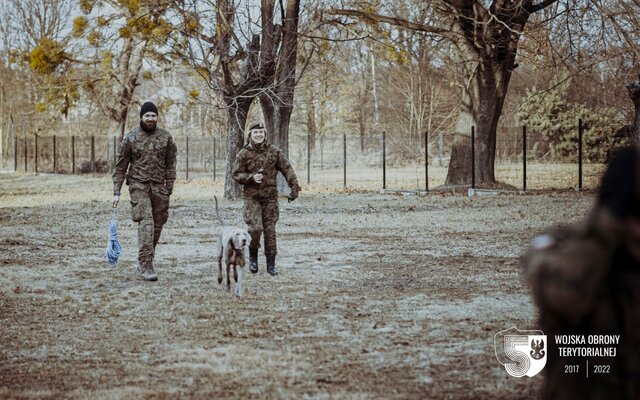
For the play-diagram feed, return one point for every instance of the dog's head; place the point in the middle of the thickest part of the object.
(240, 238)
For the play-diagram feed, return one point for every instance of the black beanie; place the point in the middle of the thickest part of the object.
(148, 107)
(618, 190)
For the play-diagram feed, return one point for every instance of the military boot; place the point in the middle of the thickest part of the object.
(146, 270)
(271, 265)
(253, 261)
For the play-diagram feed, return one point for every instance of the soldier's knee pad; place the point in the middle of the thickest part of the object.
(137, 211)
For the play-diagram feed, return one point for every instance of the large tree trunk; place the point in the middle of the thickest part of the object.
(277, 104)
(286, 72)
(283, 120)
(480, 108)
(238, 99)
(482, 101)
(459, 172)
(236, 120)
(279, 119)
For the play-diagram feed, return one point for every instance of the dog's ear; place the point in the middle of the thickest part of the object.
(248, 238)
(230, 241)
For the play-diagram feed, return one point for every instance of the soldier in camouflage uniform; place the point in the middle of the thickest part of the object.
(147, 158)
(256, 167)
(586, 281)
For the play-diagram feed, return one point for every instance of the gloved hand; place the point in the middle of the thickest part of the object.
(295, 191)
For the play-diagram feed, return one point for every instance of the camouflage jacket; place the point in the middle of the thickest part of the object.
(270, 159)
(149, 157)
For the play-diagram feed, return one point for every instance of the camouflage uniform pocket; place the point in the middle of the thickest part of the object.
(252, 214)
(137, 211)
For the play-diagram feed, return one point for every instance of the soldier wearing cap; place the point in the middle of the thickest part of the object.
(256, 167)
(147, 160)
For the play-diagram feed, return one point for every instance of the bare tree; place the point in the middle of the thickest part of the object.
(35, 63)
(486, 42)
(117, 41)
(38, 20)
(243, 64)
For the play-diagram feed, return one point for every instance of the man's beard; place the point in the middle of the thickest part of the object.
(148, 126)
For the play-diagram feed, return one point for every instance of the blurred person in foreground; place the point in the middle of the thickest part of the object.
(147, 159)
(586, 281)
(256, 167)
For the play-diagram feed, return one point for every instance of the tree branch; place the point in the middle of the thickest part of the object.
(532, 8)
(377, 18)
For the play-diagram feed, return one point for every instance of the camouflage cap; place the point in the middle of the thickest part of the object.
(256, 125)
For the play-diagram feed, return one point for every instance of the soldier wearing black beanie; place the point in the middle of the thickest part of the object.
(147, 162)
(148, 107)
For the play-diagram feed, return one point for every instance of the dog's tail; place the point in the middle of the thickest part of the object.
(218, 212)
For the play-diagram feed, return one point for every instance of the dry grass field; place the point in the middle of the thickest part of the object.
(380, 296)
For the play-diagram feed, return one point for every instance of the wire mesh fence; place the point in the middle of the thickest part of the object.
(356, 162)
(339, 161)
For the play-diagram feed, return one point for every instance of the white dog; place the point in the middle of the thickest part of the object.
(232, 243)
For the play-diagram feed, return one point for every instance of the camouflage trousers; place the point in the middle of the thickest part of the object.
(150, 209)
(261, 215)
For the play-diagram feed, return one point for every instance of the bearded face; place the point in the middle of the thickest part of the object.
(149, 121)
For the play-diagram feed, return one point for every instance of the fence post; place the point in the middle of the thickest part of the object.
(308, 158)
(93, 154)
(580, 133)
(214, 158)
(322, 153)
(36, 155)
(15, 147)
(384, 160)
(187, 137)
(55, 161)
(473, 157)
(524, 158)
(344, 158)
(426, 161)
(73, 154)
